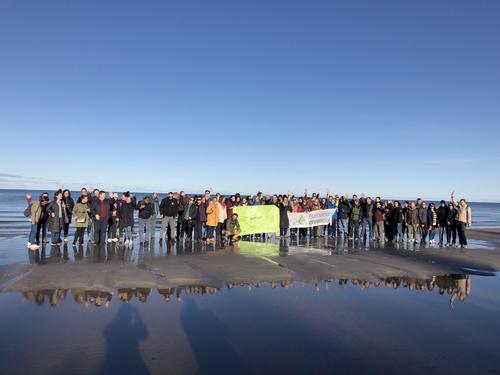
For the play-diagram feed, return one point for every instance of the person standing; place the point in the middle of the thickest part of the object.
(126, 215)
(379, 217)
(35, 209)
(100, 211)
(188, 219)
(145, 209)
(332, 205)
(451, 230)
(284, 208)
(423, 225)
(41, 228)
(221, 204)
(69, 204)
(212, 219)
(442, 222)
(343, 217)
(155, 204)
(183, 200)
(169, 207)
(55, 210)
(412, 223)
(398, 221)
(80, 211)
(114, 218)
(463, 218)
(367, 220)
(432, 223)
(355, 218)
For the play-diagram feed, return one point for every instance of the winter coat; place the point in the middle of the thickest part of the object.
(379, 214)
(126, 214)
(222, 212)
(343, 209)
(54, 224)
(284, 210)
(145, 210)
(231, 225)
(212, 214)
(411, 217)
(431, 218)
(464, 214)
(70, 204)
(201, 212)
(356, 213)
(442, 216)
(169, 207)
(80, 212)
(95, 209)
(397, 215)
(36, 211)
(450, 217)
(367, 209)
(422, 216)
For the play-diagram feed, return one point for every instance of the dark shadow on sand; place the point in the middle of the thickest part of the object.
(208, 337)
(122, 336)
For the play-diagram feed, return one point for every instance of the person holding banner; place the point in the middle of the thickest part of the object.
(284, 223)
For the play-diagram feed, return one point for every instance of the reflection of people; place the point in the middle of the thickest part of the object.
(122, 336)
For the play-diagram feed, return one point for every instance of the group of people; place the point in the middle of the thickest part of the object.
(108, 217)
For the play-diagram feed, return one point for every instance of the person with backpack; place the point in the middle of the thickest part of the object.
(81, 213)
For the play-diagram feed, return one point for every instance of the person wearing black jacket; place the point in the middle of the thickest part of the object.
(398, 219)
(69, 204)
(188, 216)
(145, 209)
(451, 229)
(126, 215)
(100, 211)
(169, 208)
(343, 217)
(442, 221)
(422, 221)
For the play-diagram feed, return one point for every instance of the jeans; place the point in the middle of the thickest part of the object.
(283, 232)
(367, 228)
(166, 222)
(423, 233)
(442, 230)
(432, 233)
(144, 224)
(187, 228)
(210, 232)
(91, 229)
(127, 233)
(153, 225)
(32, 237)
(399, 231)
(100, 227)
(41, 228)
(355, 228)
(343, 226)
(198, 227)
(451, 233)
(113, 229)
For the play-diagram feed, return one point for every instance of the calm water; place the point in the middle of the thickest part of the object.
(93, 310)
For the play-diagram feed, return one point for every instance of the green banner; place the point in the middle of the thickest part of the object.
(258, 219)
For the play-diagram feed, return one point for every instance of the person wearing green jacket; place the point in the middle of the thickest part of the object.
(233, 228)
(355, 217)
(81, 214)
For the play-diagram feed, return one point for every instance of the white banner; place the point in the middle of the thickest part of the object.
(310, 219)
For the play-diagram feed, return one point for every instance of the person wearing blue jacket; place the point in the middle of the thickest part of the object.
(332, 228)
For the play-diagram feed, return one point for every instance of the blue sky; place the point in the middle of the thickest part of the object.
(393, 98)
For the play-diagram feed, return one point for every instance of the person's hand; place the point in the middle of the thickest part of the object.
(117, 219)
(53, 214)
(97, 217)
(28, 196)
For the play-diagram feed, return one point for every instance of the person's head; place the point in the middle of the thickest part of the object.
(191, 200)
(128, 199)
(423, 205)
(102, 195)
(356, 202)
(285, 200)
(450, 206)
(397, 204)
(66, 193)
(234, 216)
(378, 204)
(44, 197)
(369, 200)
(432, 206)
(96, 192)
(154, 195)
(182, 193)
(146, 200)
(214, 200)
(170, 195)
(84, 199)
(300, 200)
(412, 204)
(355, 197)
(463, 203)
(442, 203)
(198, 200)
(84, 191)
(58, 195)
(407, 204)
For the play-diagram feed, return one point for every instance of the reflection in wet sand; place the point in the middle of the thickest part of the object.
(454, 286)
